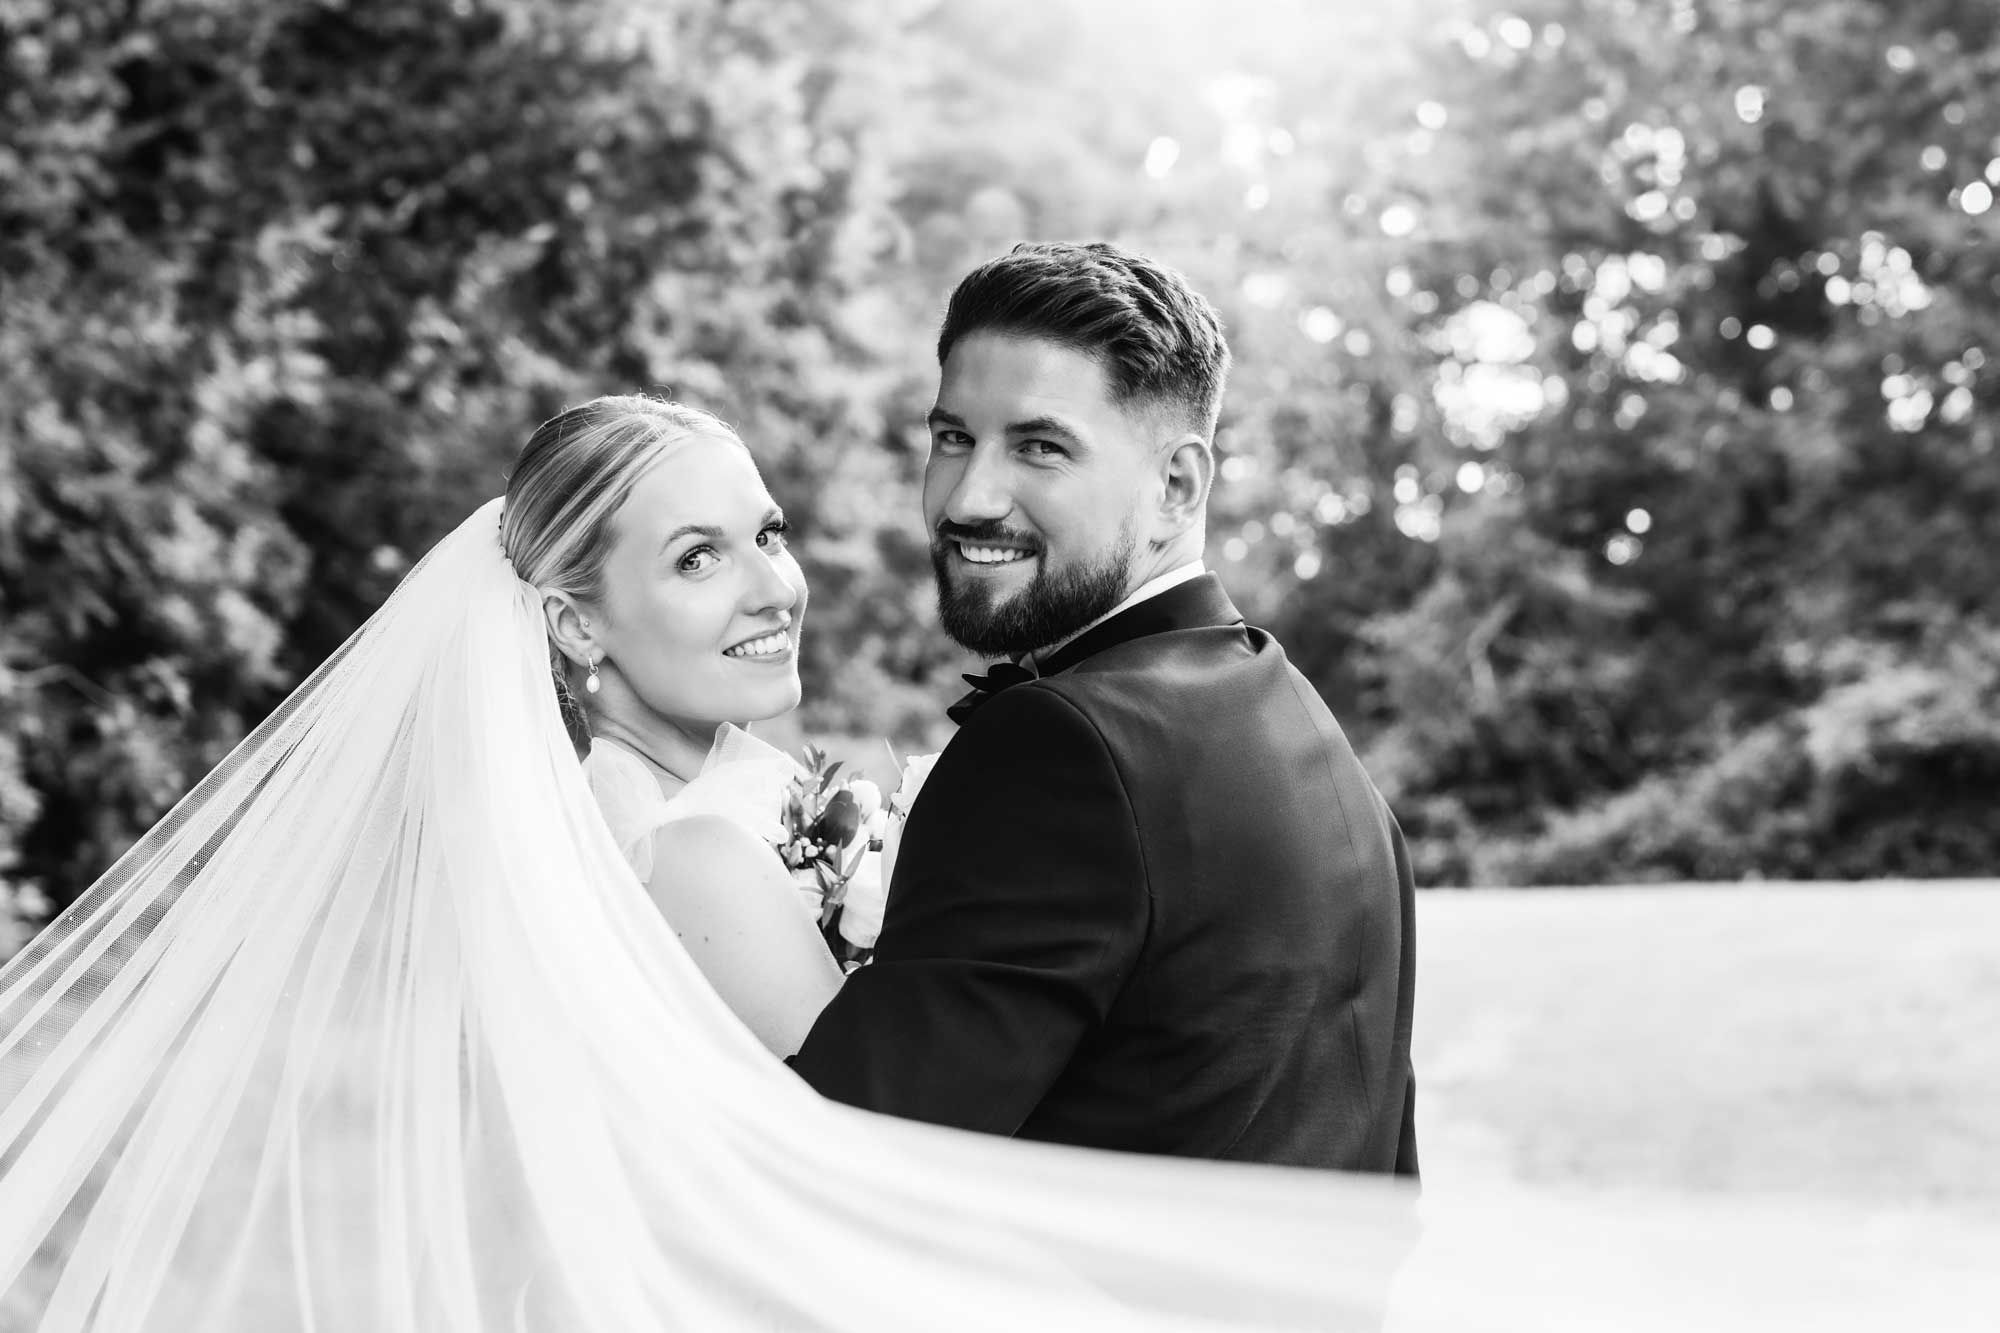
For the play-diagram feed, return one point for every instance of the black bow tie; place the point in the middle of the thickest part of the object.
(997, 678)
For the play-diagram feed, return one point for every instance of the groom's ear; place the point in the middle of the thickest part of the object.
(569, 627)
(1187, 471)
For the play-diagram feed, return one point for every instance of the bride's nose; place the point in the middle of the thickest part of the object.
(770, 590)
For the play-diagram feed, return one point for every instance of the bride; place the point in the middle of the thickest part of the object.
(673, 609)
(404, 1019)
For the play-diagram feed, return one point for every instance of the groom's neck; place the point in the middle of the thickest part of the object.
(1164, 558)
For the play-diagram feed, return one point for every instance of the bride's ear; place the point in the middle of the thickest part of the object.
(570, 628)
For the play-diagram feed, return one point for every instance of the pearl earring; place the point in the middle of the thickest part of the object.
(591, 683)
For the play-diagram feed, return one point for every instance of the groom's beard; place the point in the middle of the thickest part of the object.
(1055, 604)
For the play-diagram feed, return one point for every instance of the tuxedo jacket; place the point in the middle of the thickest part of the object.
(1148, 901)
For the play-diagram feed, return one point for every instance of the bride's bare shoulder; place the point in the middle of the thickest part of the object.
(731, 902)
(710, 851)
(712, 833)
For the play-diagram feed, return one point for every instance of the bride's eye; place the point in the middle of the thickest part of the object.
(698, 561)
(774, 535)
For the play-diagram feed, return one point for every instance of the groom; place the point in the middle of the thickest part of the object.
(1147, 898)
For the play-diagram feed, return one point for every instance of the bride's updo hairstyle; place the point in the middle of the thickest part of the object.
(573, 475)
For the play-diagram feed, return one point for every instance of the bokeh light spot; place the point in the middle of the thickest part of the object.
(1320, 324)
(1398, 220)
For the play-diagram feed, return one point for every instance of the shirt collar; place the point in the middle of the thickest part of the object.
(1173, 578)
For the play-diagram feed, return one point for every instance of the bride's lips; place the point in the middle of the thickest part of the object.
(771, 645)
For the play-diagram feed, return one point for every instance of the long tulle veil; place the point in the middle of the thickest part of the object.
(376, 1031)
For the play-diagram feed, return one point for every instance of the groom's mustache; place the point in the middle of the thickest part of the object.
(991, 533)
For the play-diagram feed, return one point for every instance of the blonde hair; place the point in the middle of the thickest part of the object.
(573, 475)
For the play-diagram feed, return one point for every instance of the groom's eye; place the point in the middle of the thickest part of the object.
(1043, 449)
(951, 439)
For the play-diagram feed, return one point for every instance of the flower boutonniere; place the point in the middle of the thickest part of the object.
(840, 846)
(832, 847)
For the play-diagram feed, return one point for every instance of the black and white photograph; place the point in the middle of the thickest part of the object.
(995, 665)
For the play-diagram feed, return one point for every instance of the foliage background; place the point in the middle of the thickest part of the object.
(1612, 439)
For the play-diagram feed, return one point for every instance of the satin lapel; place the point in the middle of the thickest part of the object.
(1198, 603)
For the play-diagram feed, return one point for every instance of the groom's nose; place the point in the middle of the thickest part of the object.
(978, 491)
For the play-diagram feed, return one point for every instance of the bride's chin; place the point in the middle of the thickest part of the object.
(781, 700)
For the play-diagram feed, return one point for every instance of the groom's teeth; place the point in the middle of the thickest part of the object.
(991, 555)
(768, 646)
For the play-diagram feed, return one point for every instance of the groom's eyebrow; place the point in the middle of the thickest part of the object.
(1032, 426)
(1042, 426)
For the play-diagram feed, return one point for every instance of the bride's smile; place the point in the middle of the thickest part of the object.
(775, 646)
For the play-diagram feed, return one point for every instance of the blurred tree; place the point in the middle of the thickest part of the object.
(286, 285)
(1738, 261)
(1611, 377)
(1611, 436)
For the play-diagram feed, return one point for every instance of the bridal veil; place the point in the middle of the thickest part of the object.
(376, 1031)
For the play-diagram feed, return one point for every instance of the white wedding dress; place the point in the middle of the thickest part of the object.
(378, 1031)
(742, 780)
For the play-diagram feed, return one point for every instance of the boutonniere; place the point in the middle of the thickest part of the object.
(833, 849)
(840, 846)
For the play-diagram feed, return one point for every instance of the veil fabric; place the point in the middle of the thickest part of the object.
(377, 1031)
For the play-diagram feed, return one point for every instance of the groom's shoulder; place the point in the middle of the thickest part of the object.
(1182, 678)
(1194, 657)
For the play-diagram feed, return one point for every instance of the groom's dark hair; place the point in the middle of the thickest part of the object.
(1159, 342)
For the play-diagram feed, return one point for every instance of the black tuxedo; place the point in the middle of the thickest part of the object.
(1151, 902)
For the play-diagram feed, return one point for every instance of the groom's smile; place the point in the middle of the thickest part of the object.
(986, 548)
(990, 555)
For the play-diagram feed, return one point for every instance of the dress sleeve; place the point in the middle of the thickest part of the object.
(1019, 908)
(742, 781)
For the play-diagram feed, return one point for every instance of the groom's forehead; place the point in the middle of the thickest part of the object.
(999, 366)
(1021, 387)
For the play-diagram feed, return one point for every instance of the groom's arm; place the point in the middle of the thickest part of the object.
(1018, 909)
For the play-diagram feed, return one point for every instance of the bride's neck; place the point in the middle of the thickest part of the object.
(674, 750)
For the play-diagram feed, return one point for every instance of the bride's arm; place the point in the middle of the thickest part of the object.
(727, 896)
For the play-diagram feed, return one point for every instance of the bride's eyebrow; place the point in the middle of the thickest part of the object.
(713, 534)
